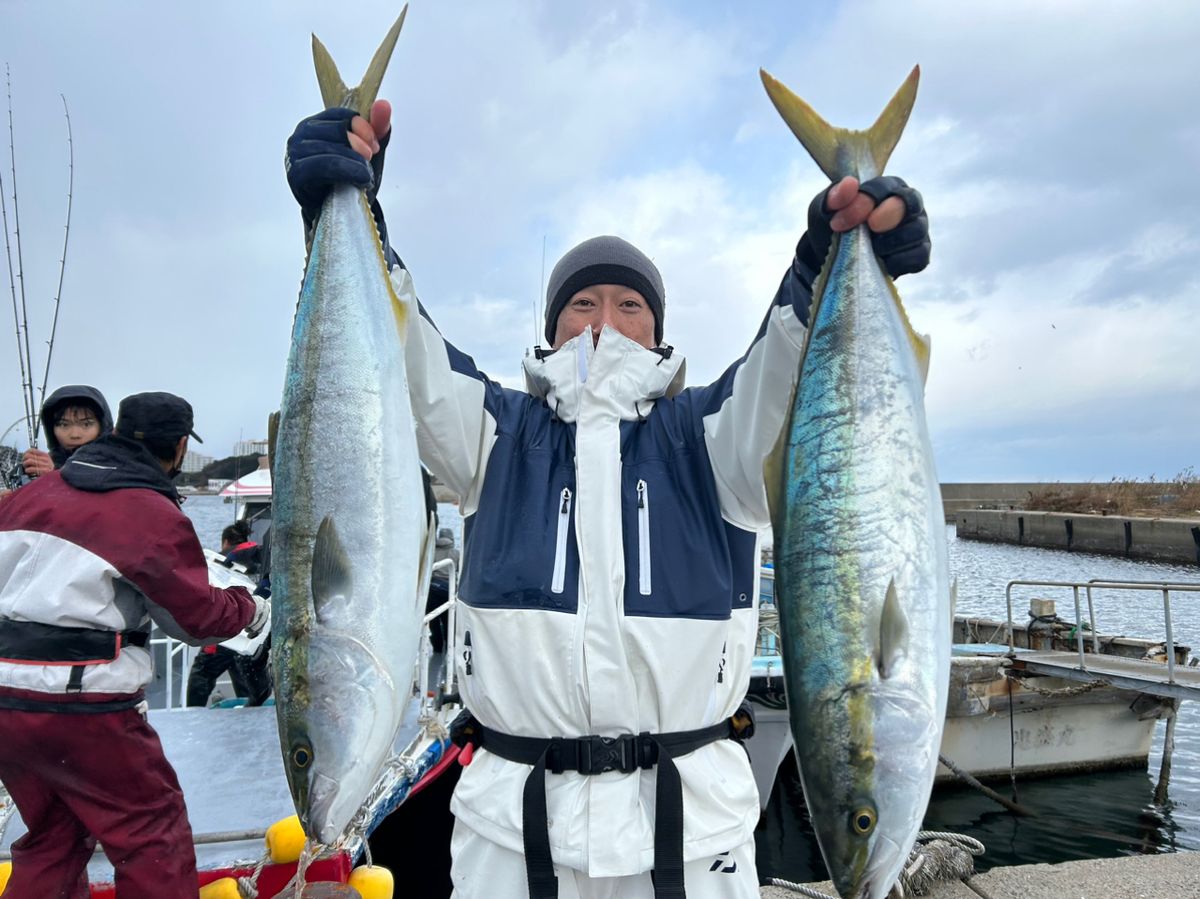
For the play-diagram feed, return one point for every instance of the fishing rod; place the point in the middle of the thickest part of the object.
(23, 324)
(62, 262)
(22, 355)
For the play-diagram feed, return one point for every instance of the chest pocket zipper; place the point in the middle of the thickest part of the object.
(643, 510)
(560, 544)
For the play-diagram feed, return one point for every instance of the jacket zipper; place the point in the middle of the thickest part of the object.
(643, 506)
(560, 547)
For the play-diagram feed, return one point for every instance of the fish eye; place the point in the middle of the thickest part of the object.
(302, 756)
(862, 821)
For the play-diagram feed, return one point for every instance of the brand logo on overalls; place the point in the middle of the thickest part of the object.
(731, 868)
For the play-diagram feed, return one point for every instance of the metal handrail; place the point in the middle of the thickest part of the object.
(450, 610)
(1103, 584)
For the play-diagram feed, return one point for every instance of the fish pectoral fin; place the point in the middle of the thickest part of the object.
(892, 643)
(331, 579)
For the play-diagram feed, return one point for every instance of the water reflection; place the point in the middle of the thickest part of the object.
(1079, 816)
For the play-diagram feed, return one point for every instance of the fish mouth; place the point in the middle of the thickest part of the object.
(327, 818)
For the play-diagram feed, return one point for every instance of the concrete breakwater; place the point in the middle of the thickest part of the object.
(1161, 539)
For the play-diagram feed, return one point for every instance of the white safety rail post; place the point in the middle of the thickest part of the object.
(171, 649)
(1163, 587)
(448, 609)
(1166, 587)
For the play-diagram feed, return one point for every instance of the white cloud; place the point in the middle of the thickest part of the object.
(1052, 143)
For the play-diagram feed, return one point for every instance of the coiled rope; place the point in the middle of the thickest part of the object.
(936, 856)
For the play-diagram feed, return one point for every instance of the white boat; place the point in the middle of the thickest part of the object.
(996, 726)
(251, 498)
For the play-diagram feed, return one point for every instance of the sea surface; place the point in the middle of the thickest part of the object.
(1083, 816)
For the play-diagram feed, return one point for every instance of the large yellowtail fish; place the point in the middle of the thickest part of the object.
(861, 574)
(351, 541)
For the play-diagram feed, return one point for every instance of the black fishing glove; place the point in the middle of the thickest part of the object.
(319, 156)
(903, 250)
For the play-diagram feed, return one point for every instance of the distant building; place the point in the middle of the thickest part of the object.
(247, 447)
(216, 484)
(195, 461)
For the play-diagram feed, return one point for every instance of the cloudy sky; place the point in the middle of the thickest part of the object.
(1056, 145)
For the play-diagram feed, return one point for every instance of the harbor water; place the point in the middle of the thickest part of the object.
(1098, 815)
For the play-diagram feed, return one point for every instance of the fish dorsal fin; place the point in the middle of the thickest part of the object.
(893, 633)
(773, 474)
(840, 151)
(331, 580)
(333, 89)
(919, 343)
(272, 441)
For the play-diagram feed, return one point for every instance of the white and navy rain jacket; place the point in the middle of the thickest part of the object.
(609, 587)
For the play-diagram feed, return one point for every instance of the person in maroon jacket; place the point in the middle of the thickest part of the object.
(90, 555)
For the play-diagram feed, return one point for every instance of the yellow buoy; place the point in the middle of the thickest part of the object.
(372, 882)
(285, 840)
(225, 888)
(5, 873)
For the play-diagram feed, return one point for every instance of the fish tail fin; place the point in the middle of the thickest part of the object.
(333, 89)
(840, 151)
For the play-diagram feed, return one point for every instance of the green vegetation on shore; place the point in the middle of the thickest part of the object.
(1177, 497)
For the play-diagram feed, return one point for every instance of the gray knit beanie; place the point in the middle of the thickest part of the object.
(604, 260)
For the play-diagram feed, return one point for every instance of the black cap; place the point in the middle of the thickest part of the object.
(604, 260)
(155, 415)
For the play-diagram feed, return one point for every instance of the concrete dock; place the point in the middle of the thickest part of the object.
(1175, 875)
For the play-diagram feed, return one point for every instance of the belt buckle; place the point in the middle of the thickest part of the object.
(610, 754)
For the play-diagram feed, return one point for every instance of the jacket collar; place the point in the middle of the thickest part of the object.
(617, 372)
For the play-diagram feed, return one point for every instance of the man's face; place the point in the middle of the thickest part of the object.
(619, 307)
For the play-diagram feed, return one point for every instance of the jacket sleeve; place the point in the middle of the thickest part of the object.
(173, 577)
(455, 404)
(743, 411)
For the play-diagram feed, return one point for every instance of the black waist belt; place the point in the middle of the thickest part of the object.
(34, 643)
(599, 755)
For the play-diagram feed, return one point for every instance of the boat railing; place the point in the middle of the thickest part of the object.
(173, 649)
(1163, 587)
(450, 609)
(768, 614)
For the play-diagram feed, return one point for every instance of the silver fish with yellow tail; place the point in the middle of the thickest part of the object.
(352, 543)
(861, 574)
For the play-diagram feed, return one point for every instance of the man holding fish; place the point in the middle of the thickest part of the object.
(608, 611)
